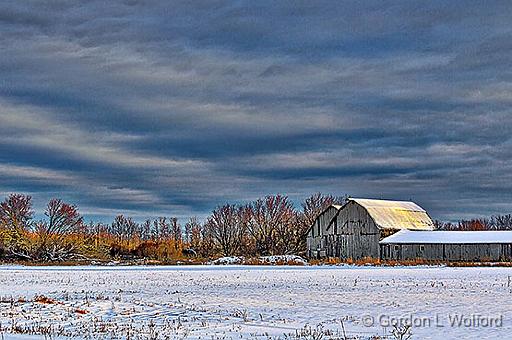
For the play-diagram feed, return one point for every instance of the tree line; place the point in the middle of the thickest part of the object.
(267, 226)
(497, 222)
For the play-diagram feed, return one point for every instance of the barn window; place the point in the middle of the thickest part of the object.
(422, 247)
(397, 247)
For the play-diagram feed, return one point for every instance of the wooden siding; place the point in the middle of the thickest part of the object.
(353, 234)
(315, 239)
(448, 252)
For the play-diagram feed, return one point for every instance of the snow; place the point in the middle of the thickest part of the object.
(277, 259)
(256, 302)
(229, 260)
(274, 259)
(447, 237)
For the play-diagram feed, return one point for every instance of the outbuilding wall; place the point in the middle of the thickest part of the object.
(448, 252)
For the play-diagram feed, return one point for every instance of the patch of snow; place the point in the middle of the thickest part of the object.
(449, 237)
(283, 259)
(229, 260)
(256, 302)
(263, 260)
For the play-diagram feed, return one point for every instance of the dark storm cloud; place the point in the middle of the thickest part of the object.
(154, 107)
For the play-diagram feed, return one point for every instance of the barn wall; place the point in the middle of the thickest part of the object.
(448, 252)
(353, 234)
(315, 239)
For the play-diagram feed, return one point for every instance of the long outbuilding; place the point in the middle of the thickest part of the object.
(465, 246)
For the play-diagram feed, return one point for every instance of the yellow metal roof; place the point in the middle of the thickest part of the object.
(396, 214)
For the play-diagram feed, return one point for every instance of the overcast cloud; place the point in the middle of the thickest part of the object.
(168, 107)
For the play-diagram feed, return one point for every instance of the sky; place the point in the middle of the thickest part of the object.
(151, 108)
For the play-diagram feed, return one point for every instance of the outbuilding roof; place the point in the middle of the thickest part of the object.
(396, 214)
(448, 237)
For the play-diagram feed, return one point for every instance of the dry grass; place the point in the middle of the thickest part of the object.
(326, 261)
(81, 311)
(45, 300)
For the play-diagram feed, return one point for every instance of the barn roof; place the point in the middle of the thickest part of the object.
(448, 237)
(396, 214)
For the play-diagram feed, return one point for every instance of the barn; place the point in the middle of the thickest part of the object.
(464, 246)
(314, 238)
(355, 229)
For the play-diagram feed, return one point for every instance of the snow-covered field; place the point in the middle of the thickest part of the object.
(223, 302)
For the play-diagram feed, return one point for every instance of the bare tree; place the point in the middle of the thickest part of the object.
(124, 229)
(270, 217)
(145, 230)
(63, 220)
(176, 232)
(226, 229)
(162, 228)
(473, 225)
(193, 233)
(16, 212)
(15, 220)
(97, 232)
(502, 222)
(207, 243)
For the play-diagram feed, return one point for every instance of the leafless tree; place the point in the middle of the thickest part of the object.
(15, 220)
(145, 230)
(16, 212)
(124, 229)
(63, 220)
(502, 222)
(473, 225)
(270, 217)
(193, 232)
(162, 229)
(176, 232)
(226, 228)
(96, 232)
(207, 243)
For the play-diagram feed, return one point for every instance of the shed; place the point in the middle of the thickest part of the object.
(495, 245)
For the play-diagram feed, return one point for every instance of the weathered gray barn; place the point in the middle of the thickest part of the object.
(443, 246)
(355, 229)
(314, 238)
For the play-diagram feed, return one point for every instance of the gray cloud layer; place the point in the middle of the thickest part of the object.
(174, 107)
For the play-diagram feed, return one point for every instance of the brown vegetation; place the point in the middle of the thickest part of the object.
(44, 300)
(266, 226)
